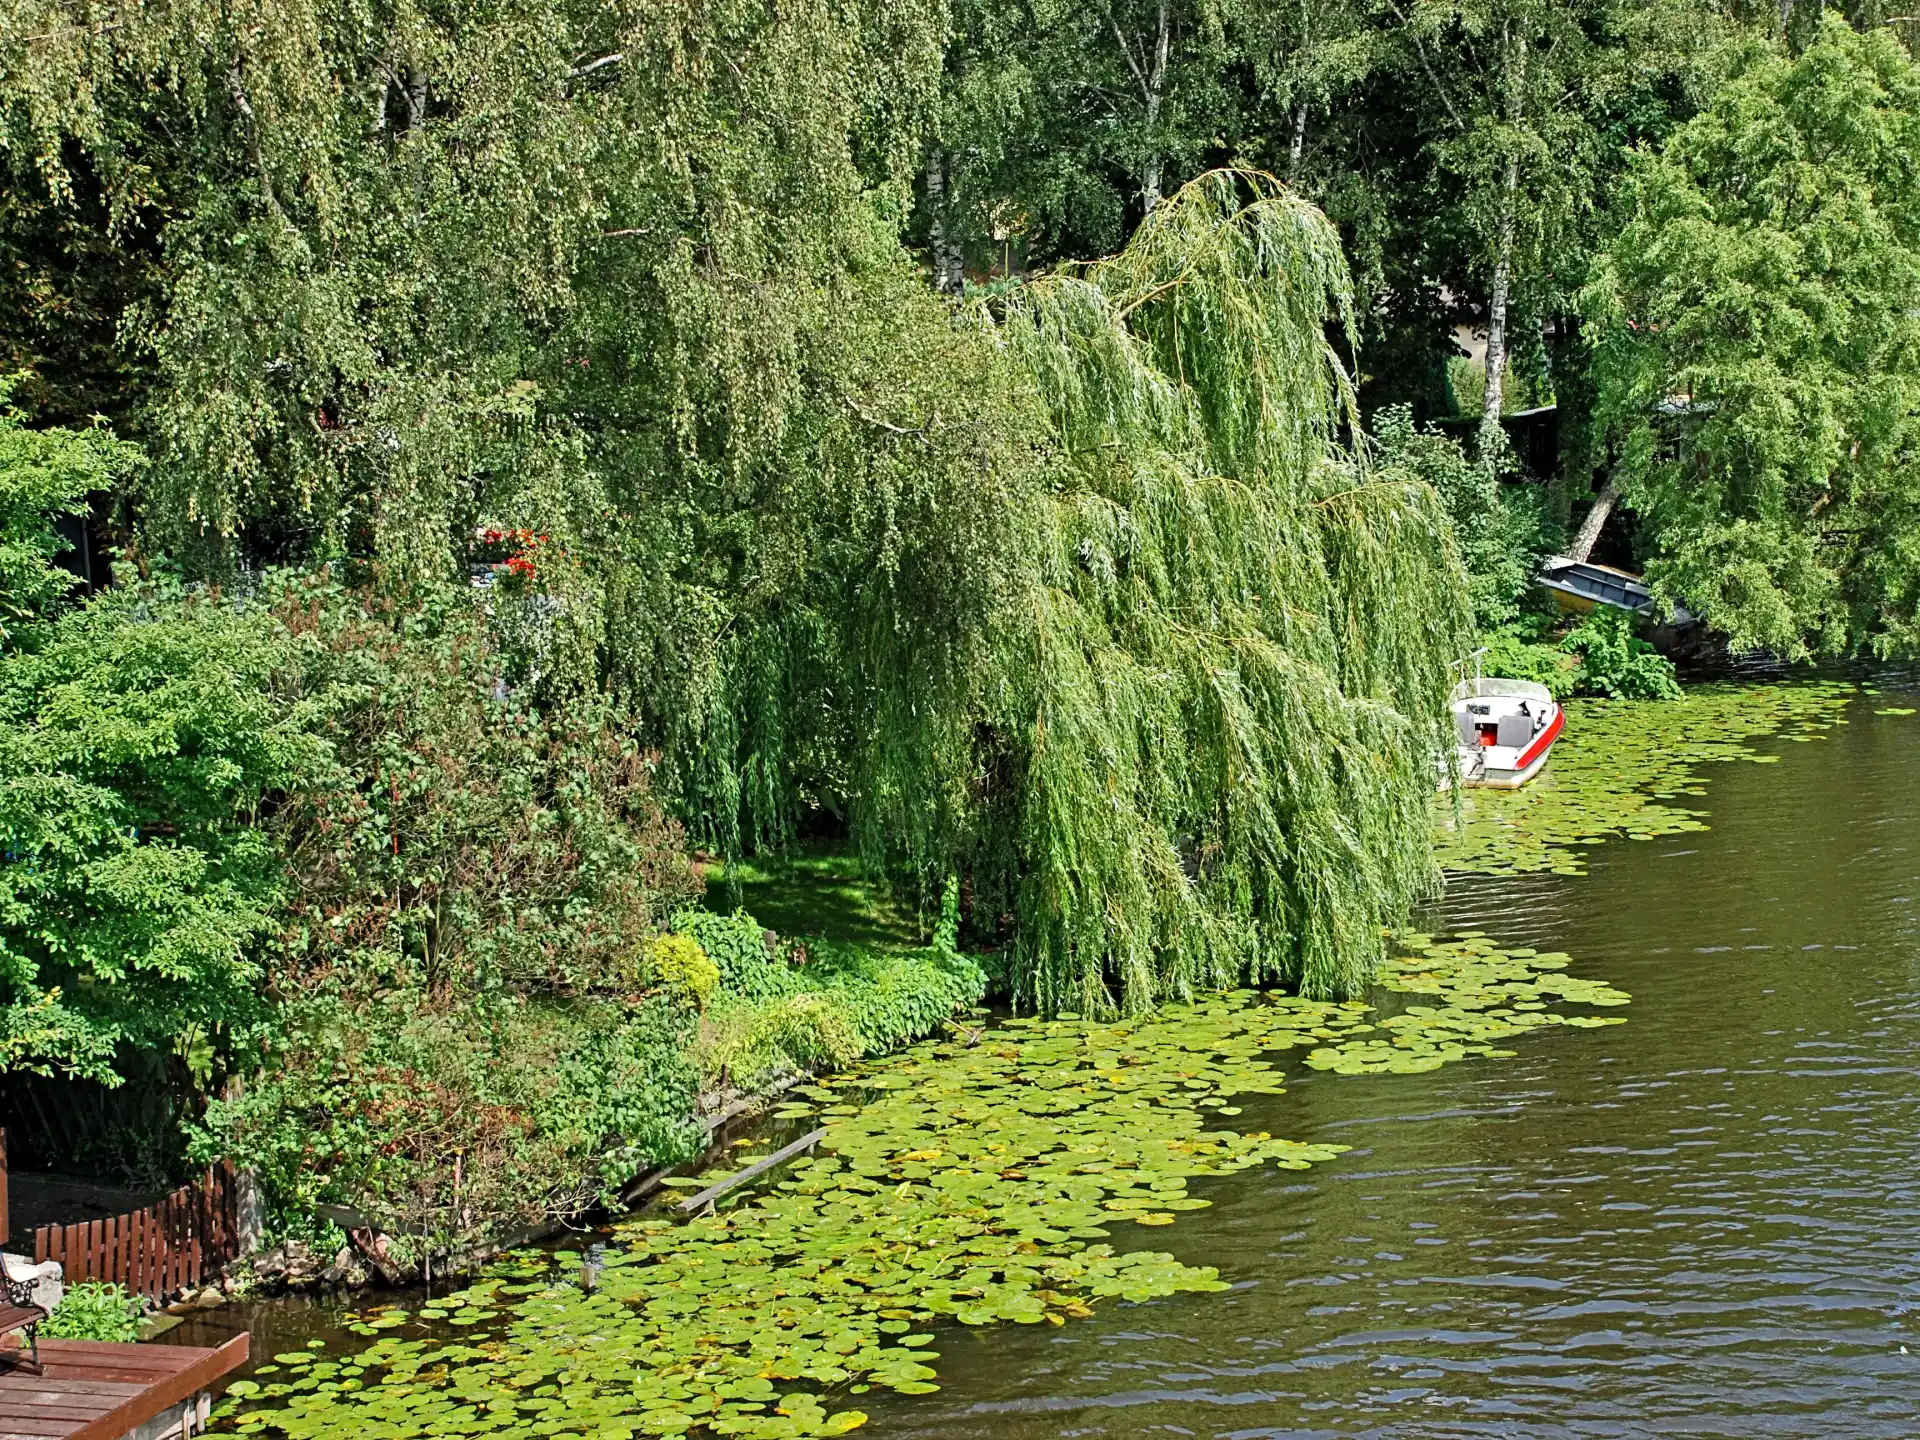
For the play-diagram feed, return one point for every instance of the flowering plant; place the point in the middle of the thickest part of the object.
(513, 553)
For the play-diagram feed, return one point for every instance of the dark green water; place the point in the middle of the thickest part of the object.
(1705, 1222)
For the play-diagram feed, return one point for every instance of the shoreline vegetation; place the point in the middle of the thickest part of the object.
(987, 1177)
(564, 566)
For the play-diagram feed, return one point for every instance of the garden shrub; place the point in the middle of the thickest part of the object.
(465, 839)
(679, 964)
(845, 1003)
(94, 1310)
(1615, 661)
(463, 1120)
(737, 944)
(144, 740)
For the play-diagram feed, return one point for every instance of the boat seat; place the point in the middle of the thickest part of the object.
(1516, 730)
(1469, 729)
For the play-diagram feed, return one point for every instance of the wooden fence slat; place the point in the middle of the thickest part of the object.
(176, 1271)
(154, 1282)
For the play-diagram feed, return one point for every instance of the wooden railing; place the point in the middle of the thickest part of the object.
(172, 1245)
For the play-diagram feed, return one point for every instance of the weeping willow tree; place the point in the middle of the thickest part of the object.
(1206, 755)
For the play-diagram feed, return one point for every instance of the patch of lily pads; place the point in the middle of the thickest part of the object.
(988, 1178)
(1619, 769)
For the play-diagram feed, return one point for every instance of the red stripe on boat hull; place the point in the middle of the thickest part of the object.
(1541, 741)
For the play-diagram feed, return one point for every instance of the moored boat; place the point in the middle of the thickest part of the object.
(1579, 586)
(1506, 730)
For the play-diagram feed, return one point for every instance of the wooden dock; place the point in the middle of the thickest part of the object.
(92, 1390)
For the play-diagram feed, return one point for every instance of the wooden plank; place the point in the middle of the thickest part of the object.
(136, 1360)
(759, 1167)
(56, 1394)
(24, 1389)
(163, 1247)
(156, 1357)
(75, 1410)
(170, 1228)
(67, 1417)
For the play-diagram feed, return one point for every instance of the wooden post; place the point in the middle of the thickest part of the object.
(6, 1219)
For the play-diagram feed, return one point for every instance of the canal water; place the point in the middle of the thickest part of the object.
(1705, 1222)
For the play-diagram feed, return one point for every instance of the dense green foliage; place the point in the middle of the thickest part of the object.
(1757, 337)
(1614, 661)
(92, 1310)
(548, 476)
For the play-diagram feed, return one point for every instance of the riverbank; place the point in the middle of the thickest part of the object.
(746, 1014)
(766, 1010)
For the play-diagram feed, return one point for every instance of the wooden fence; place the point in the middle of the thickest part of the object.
(173, 1244)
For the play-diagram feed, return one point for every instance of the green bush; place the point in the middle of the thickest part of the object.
(1524, 651)
(1500, 529)
(464, 839)
(683, 967)
(462, 1120)
(146, 737)
(1615, 661)
(737, 944)
(846, 1002)
(94, 1310)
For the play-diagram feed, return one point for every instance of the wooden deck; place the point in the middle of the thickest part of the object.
(95, 1391)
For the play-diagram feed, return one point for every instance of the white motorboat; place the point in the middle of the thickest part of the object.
(1506, 730)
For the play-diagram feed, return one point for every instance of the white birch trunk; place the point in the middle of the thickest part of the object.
(1152, 80)
(1504, 235)
(1497, 299)
(947, 274)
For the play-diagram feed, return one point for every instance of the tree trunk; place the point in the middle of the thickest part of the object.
(1497, 299)
(1152, 80)
(1299, 144)
(1496, 363)
(1603, 503)
(945, 255)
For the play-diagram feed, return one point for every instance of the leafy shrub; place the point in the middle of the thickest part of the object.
(737, 944)
(1615, 661)
(1500, 529)
(146, 736)
(1522, 651)
(464, 840)
(847, 1002)
(94, 1310)
(462, 1120)
(44, 473)
(682, 966)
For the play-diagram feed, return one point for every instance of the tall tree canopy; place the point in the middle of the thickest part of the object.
(1756, 332)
